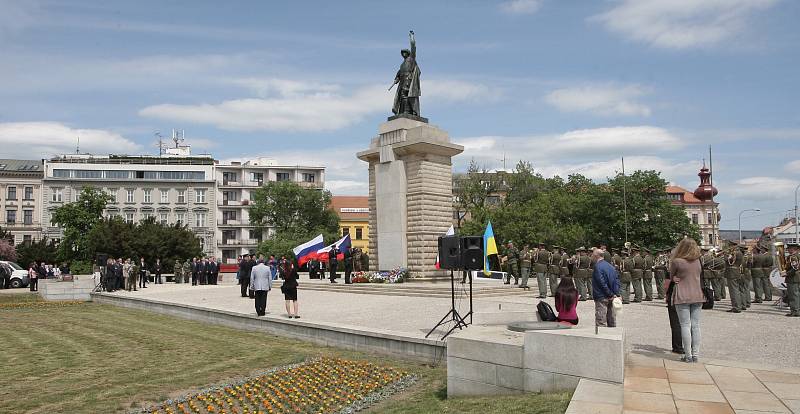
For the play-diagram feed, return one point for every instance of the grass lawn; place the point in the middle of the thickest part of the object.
(92, 358)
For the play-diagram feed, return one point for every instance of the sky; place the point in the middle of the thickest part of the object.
(571, 86)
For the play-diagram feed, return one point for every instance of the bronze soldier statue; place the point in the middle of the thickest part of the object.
(406, 99)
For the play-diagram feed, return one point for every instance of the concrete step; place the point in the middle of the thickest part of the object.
(415, 291)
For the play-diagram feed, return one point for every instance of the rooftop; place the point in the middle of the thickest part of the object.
(684, 196)
(23, 167)
(351, 207)
(132, 159)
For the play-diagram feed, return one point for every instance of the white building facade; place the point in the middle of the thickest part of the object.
(172, 189)
(21, 199)
(236, 185)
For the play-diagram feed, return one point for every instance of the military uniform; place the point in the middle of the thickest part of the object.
(757, 274)
(637, 273)
(541, 261)
(793, 283)
(767, 264)
(178, 271)
(747, 278)
(582, 264)
(647, 279)
(660, 273)
(733, 274)
(564, 264)
(626, 277)
(717, 274)
(187, 270)
(553, 270)
(512, 264)
(133, 275)
(525, 265)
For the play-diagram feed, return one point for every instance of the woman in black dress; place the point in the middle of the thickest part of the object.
(289, 288)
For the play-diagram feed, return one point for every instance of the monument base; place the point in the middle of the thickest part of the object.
(408, 116)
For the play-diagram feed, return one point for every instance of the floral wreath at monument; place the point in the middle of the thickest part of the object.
(398, 275)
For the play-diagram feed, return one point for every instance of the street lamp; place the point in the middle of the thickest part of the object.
(740, 221)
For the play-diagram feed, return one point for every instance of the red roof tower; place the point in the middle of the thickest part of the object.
(705, 191)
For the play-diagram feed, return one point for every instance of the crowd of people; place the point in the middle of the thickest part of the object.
(130, 275)
(42, 270)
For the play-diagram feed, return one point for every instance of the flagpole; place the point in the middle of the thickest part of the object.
(625, 199)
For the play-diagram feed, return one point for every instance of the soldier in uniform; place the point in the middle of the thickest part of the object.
(357, 260)
(187, 270)
(717, 274)
(563, 264)
(793, 279)
(637, 273)
(757, 274)
(553, 270)
(767, 263)
(525, 258)
(733, 273)
(747, 279)
(625, 276)
(512, 263)
(133, 276)
(178, 271)
(581, 267)
(660, 266)
(541, 260)
(647, 279)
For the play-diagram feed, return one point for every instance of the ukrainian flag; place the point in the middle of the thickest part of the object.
(489, 248)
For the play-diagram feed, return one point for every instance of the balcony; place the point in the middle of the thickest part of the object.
(230, 203)
(237, 242)
(231, 183)
(230, 222)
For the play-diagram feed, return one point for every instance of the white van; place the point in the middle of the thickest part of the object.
(19, 276)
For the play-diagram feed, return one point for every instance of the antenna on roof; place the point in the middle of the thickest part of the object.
(78, 146)
(177, 136)
(162, 149)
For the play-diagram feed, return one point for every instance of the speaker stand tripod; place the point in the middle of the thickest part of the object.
(452, 315)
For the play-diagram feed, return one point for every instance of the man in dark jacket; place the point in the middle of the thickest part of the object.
(157, 269)
(245, 267)
(333, 263)
(195, 270)
(605, 285)
(142, 273)
(348, 265)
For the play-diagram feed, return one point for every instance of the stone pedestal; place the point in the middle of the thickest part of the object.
(410, 194)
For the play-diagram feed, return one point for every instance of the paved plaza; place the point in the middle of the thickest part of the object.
(760, 336)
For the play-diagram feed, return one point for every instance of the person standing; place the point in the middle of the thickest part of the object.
(33, 276)
(126, 275)
(195, 271)
(637, 274)
(333, 263)
(348, 266)
(273, 265)
(245, 269)
(312, 269)
(767, 263)
(718, 274)
(733, 274)
(660, 272)
(525, 259)
(512, 263)
(118, 285)
(757, 274)
(553, 270)
(541, 260)
(5, 271)
(259, 280)
(357, 260)
(177, 271)
(187, 270)
(647, 279)
(687, 295)
(793, 280)
(289, 288)
(214, 271)
(625, 276)
(747, 276)
(142, 273)
(157, 280)
(605, 285)
(133, 277)
(365, 261)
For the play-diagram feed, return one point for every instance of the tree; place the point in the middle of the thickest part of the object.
(7, 251)
(42, 250)
(297, 215)
(77, 219)
(473, 192)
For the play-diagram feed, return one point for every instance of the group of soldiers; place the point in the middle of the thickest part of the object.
(738, 269)
(127, 274)
(203, 271)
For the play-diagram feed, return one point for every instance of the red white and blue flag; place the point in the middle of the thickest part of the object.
(450, 232)
(343, 245)
(308, 250)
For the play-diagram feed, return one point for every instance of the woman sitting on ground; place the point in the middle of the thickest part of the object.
(567, 301)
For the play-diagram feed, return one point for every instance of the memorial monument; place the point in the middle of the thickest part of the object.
(410, 181)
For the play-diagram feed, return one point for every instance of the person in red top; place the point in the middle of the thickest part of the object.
(567, 301)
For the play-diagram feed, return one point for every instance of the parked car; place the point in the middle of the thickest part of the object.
(19, 276)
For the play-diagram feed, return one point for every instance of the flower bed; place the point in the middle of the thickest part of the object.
(40, 305)
(398, 275)
(324, 385)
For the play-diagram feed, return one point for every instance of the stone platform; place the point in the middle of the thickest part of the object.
(77, 289)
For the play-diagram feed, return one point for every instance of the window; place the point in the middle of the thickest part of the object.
(119, 175)
(359, 233)
(112, 192)
(257, 178)
(11, 216)
(27, 239)
(181, 196)
(695, 218)
(148, 195)
(12, 193)
(253, 234)
(710, 238)
(182, 175)
(61, 173)
(28, 193)
(27, 217)
(228, 177)
(180, 219)
(282, 176)
(58, 195)
(163, 218)
(345, 231)
(88, 174)
(129, 198)
(200, 195)
(709, 216)
(129, 218)
(147, 175)
(164, 196)
(308, 177)
(199, 219)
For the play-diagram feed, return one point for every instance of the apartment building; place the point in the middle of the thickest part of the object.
(21, 199)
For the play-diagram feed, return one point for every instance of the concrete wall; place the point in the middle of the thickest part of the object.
(79, 288)
(384, 342)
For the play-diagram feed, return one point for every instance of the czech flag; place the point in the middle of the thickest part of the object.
(343, 245)
(308, 250)
(450, 232)
(489, 248)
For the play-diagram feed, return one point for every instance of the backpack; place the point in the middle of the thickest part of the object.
(545, 311)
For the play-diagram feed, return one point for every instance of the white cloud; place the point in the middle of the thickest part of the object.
(763, 188)
(306, 106)
(44, 139)
(680, 24)
(521, 6)
(793, 166)
(606, 100)
(347, 187)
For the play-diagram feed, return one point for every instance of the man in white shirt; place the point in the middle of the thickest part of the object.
(261, 284)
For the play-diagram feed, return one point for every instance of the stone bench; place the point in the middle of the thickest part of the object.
(492, 360)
